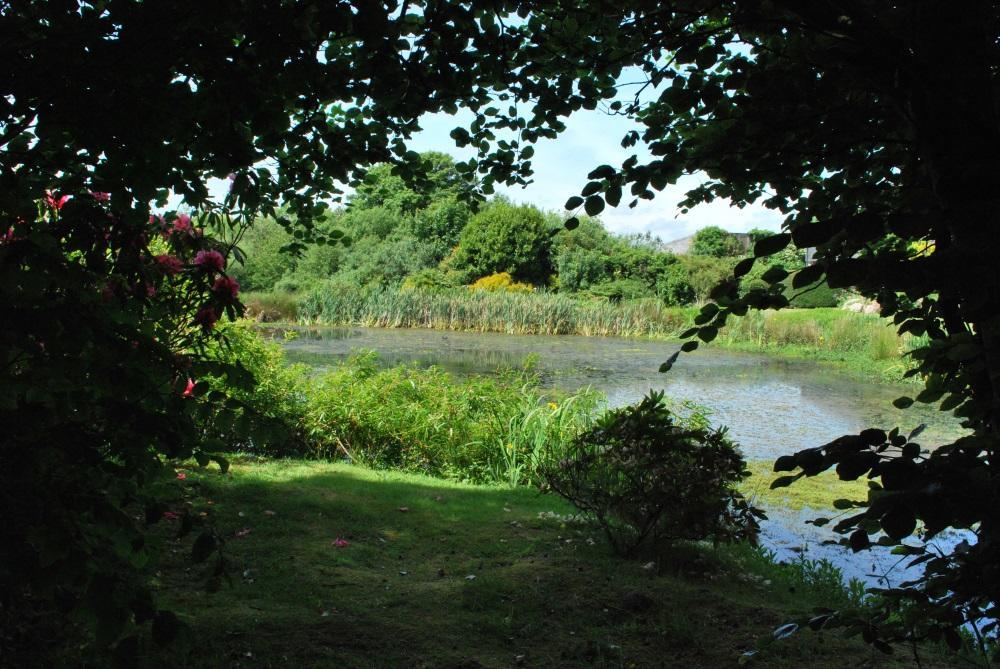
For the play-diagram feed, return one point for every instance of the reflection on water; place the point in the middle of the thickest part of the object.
(772, 406)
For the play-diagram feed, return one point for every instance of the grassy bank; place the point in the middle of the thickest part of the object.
(438, 574)
(863, 345)
(495, 429)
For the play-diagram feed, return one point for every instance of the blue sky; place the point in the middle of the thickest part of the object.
(591, 139)
(561, 165)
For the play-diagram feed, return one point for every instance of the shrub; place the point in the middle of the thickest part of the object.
(501, 281)
(651, 478)
(813, 296)
(505, 238)
(617, 290)
(715, 242)
(430, 279)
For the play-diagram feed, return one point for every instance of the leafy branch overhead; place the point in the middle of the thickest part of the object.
(871, 126)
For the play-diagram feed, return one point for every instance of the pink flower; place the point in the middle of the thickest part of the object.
(206, 317)
(340, 543)
(182, 224)
(210, 261)
(54, 202)
(181, 476)
(171, 515)
(226, 288)
(100, 196)
(168, 264)
(188, 389)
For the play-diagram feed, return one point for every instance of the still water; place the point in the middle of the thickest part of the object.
(772, 406)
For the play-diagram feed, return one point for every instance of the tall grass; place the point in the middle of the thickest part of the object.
(270, 307)
(497, 429)
(865, 343)
(483, 311)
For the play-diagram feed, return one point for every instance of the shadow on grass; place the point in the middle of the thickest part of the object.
(437, 574)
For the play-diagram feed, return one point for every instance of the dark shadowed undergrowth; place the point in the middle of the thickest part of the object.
(334, 565)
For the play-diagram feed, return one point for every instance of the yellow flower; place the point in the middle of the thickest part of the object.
(553, 406)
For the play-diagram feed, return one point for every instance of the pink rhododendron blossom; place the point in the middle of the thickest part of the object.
(100, 196)
(171, 515)
(226, 287)
(206, 317)
(169, 264)
(55, 202)
(181, 476)
(188, 389)
(341, 543)
(210, 261)
(182, 224)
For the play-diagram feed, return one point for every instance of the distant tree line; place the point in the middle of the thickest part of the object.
(431, 239)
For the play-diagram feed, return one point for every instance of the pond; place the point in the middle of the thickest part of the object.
(772, 406)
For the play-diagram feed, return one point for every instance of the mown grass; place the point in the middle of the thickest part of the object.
(439, 574)
(863, 345)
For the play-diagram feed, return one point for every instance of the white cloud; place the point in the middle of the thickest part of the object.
(591, 139)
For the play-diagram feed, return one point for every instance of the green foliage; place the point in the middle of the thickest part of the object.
(514, 313)
(813, 296)
(106, 322)
(617, 290)
(481, 429)
(894, 151)
(271, 307)
(383, 187)
(650, 479)
(692, 278)
(520, 601)
(429, 280)
(506, 238)
(266, 264)
(715, 242)
(441, 222)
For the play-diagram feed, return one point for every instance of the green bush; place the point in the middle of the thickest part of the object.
(650, 479)
(617, 290)
(481, 429)
(265, 264)
(715, 242)
(506, 238)
(814, 296)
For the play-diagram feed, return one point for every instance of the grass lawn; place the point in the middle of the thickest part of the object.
(439, 574)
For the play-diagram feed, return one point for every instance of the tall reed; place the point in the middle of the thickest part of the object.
(482, 311)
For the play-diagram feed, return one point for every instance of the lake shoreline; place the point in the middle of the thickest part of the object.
(854, 365)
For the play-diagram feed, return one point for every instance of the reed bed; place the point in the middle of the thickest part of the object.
(863, 344)
(481, 311)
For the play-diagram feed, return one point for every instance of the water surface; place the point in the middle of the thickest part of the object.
(772, 406)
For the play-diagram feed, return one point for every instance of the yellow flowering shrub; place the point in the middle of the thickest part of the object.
(501, 282)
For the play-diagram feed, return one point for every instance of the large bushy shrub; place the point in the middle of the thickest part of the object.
(715, 242)
(108, 332)
(651, 478)
(506, 238)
